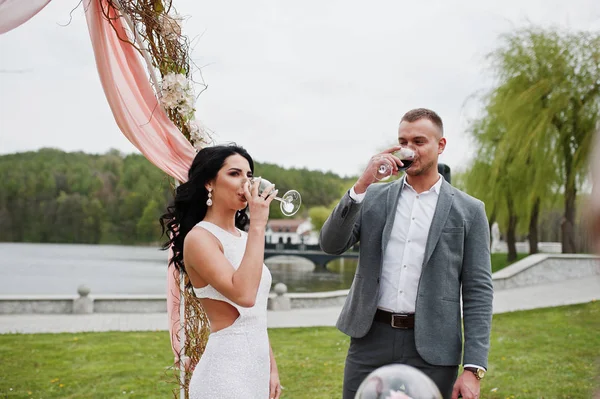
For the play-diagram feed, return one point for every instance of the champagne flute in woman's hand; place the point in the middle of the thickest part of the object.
(290, 201)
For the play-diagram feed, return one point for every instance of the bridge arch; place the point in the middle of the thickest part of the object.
(310, 252)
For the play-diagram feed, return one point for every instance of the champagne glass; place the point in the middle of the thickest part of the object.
(290, 201)
(384, 171)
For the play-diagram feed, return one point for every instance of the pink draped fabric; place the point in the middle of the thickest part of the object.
(14, 13)
(131, 97)
(173, 302)
(139, 116)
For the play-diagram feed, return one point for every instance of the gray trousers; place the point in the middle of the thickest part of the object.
(385, 345)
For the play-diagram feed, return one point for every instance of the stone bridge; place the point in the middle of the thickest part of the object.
(310, 252)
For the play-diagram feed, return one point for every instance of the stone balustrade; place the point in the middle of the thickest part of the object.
(546, 268)
(534, 270)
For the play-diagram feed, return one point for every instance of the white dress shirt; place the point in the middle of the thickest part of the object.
(403, 257)
(404, 254)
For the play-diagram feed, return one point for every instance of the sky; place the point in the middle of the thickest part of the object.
(314, 84)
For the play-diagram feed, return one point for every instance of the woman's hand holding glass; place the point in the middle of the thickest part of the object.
(259, 201)
(290, 201)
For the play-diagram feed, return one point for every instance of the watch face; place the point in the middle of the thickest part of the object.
(480, 373)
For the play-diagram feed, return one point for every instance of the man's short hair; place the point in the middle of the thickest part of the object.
(423, 113)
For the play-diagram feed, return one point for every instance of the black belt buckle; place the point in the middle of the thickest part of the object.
(399, 321)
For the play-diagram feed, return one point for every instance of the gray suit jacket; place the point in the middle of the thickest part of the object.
(457, 257)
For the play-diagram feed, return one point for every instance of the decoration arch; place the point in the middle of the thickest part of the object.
(143, 63)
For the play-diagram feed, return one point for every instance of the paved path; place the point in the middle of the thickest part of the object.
(556, 294)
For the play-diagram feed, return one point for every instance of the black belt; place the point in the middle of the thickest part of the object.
(404, 321)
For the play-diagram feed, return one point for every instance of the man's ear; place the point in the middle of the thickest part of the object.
(441, 145)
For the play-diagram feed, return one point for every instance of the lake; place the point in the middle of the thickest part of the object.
(58, 269)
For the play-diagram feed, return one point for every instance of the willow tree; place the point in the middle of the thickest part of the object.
(549, 89)
(529, 179)
(496, 178)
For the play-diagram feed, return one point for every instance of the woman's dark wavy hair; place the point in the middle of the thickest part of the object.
(189, 204)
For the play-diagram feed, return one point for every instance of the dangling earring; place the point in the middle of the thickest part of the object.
(209, 200)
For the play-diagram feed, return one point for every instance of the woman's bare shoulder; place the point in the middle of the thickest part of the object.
(200, 239)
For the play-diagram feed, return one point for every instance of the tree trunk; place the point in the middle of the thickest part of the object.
(533, 227)
(491, 221)
(568, 221)
(511, 234)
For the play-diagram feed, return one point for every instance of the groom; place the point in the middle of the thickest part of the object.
(423, 243)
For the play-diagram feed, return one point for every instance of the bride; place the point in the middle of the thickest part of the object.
(225, 266)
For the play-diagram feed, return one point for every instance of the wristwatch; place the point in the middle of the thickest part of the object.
(479, 373)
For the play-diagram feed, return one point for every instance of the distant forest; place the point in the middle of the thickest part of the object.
(52, 196)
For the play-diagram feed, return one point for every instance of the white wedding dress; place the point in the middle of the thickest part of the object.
(236, 363)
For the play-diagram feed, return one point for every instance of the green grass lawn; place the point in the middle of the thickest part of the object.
(544, 353)
(499, 261)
